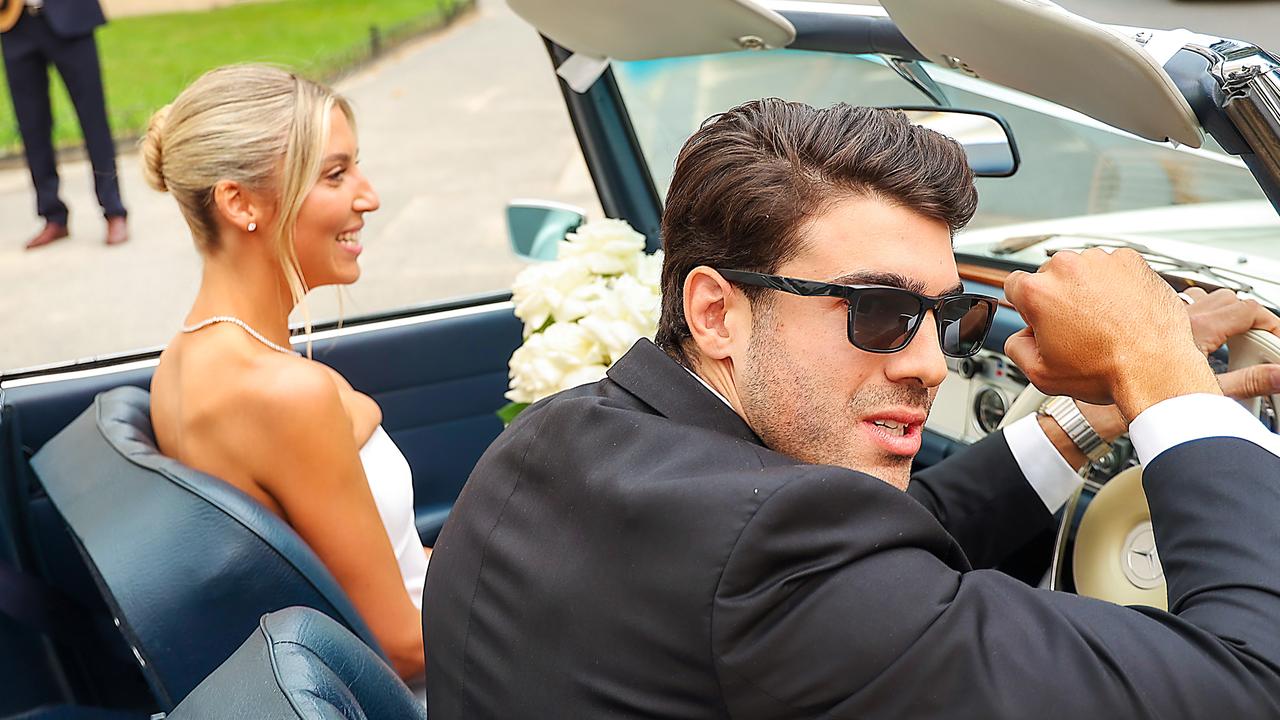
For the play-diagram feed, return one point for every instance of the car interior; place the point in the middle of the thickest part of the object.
(132, 578)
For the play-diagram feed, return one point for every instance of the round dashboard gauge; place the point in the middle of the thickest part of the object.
(988, 409)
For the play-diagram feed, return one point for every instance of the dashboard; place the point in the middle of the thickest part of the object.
(975, 396)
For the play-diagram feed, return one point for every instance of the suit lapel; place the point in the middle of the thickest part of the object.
(664, 385)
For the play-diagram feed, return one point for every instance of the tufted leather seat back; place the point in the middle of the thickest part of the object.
(299, 663)
(186, 562)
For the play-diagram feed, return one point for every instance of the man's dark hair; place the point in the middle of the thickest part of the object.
(746, 181)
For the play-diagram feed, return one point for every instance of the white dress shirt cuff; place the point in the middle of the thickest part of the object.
(1042, 465)
(1193, 417)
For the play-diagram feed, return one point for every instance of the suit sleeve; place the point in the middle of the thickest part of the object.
(838, 602)
(982, 498)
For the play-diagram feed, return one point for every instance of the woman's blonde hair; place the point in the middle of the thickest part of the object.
(260, 126)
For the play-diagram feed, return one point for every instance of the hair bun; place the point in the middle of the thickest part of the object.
(153, 149)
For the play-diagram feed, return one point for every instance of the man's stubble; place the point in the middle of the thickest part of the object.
(798, 412)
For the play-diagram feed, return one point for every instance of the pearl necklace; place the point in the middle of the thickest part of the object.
(243, 325)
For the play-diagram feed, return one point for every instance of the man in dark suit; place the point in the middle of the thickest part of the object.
(60, 33)
(718, 528)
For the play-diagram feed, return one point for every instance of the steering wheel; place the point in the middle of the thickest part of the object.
(1115, 556)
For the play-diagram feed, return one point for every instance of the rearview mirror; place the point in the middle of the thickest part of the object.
(986, 137)
(535, 227)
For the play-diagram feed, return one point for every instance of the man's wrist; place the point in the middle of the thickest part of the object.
(1062, 442)
(1191, 376)
(1106, 420)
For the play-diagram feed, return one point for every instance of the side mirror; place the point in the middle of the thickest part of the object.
(535, 227)
(986, 137)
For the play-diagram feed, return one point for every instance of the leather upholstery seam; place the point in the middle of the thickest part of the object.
(275, 668)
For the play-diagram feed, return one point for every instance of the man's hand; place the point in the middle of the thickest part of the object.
(1104, 327)
(1215, 317)
(1219, 315)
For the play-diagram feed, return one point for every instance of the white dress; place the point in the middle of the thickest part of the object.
(391, 481)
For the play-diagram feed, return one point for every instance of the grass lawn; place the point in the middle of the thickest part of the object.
(148, 59)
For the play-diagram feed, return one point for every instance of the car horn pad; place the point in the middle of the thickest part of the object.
(1115, 556)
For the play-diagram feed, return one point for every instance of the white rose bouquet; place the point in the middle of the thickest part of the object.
(582, 311)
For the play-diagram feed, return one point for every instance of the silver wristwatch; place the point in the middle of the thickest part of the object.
(1064, 411)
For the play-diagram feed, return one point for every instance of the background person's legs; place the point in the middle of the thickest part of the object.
(28, 74)
(77, 62)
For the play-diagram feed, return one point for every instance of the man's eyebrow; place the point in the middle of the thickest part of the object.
(891, 279)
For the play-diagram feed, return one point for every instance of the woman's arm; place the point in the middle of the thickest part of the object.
(305, 456)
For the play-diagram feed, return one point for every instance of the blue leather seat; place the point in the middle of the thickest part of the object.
(186, 562)
(301, 664)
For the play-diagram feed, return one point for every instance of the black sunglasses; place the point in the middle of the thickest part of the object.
(884, 319)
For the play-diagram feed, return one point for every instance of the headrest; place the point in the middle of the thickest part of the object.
(301, 664)
(187, 562)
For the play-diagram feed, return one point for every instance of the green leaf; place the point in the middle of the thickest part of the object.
(510, 411)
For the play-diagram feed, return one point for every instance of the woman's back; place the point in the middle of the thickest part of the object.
(207, 405)
(263, 165)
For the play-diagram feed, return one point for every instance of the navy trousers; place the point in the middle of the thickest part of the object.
(29, 49)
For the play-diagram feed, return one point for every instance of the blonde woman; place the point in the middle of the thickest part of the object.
(263, 165)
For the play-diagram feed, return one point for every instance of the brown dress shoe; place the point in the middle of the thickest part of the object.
(52, 231)
(117, 230)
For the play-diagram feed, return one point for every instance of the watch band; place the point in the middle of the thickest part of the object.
(1063, 410)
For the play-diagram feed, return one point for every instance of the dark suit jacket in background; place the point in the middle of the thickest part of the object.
(630, 549)
(73, 18)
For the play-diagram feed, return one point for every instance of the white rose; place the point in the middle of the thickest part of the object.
(542, 364)
(650, 271)
(591, 305)
(581, 301)
(539, 291)
(628, 312)
(607, 247)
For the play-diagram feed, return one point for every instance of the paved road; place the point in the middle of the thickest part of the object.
(451, 128)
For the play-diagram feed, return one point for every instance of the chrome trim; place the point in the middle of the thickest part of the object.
(914, 72)
(1250, 81)
(548, 204)
(404, 322)
(79, 374)
(298, 341)
(1060, 542)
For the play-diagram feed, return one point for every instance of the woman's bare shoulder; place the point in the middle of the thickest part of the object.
(291, 388)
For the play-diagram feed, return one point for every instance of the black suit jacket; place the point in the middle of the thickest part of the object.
(66, 18)
(630, 549)
(73, 18)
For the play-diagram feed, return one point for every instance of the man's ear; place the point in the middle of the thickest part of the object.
(237, 207)
(718, 315)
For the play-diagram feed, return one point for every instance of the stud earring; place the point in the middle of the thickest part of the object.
(253, 226)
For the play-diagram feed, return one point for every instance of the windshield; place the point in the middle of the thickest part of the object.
(1077, 174)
